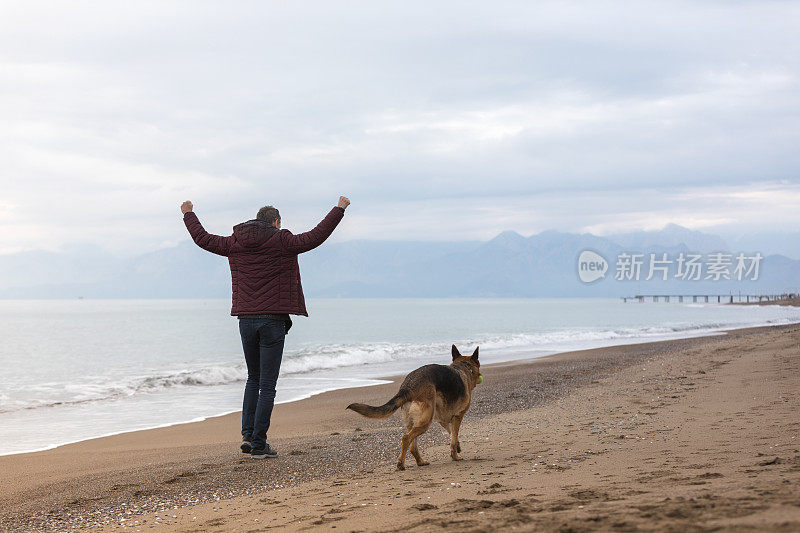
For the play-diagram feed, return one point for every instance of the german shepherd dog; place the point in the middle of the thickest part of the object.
(431, 391)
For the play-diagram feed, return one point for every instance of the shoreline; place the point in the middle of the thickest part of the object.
(384, 379)
(107, 480)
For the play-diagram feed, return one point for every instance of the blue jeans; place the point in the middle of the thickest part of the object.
(262, 340)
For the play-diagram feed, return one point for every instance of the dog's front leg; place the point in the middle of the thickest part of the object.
(447, 429)
(455, 446)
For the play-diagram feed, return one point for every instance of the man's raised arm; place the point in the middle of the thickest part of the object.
(213, 243)
(303, 242)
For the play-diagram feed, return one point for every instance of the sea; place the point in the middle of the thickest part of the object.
(72, 370)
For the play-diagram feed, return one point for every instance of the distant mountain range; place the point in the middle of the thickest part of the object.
(509, 265)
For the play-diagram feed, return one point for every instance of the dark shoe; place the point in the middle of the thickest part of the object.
(246, 447)
(263, 453)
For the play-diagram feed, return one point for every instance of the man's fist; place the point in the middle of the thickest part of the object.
(343, 202)
(187, 206)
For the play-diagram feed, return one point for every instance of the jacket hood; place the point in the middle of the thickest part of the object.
(253, 232)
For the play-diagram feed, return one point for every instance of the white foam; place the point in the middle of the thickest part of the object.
(98, 388)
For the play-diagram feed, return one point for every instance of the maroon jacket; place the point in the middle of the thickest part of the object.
(264, 272)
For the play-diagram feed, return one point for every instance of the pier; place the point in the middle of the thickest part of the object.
(710, 298)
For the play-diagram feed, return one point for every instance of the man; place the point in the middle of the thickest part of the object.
(265, 278)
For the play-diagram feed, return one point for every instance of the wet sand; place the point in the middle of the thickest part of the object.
(694, 434)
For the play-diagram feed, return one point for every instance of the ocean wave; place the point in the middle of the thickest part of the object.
(314, 358)
(93, 389)
(317, 358)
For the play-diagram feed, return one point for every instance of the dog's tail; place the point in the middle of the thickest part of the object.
(384, 410)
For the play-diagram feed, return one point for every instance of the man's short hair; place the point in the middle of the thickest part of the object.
(268, 213)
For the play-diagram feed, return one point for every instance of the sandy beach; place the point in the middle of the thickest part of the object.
(695, 434)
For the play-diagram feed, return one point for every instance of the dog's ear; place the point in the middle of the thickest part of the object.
(475, 354)
(455, 352)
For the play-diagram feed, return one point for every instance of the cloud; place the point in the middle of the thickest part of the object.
(113, 113)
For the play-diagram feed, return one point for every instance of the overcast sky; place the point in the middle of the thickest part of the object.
(440, 120)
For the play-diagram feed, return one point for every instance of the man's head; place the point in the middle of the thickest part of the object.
(270, 214)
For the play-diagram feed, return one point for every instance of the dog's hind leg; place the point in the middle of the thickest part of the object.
(420, 417)
(409, 422)
(455, 446)
(417, 457)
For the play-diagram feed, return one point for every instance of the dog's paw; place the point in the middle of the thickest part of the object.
(400, 466)
(423, 463)
(455, 456)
